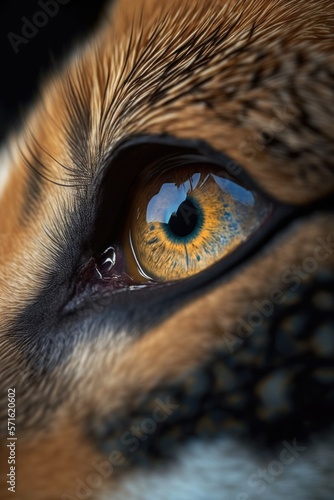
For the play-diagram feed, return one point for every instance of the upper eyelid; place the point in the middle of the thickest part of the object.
(204, 152)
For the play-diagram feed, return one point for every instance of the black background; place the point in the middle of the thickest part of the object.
(22, 72)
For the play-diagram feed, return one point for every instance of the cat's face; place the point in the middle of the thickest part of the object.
(167, 251)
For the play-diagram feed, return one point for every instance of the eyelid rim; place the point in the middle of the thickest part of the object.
(281, 216)
(205, 150)
(202, 148)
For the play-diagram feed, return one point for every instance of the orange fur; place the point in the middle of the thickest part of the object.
(296, 38)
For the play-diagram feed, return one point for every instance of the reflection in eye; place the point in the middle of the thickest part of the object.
(187, 218)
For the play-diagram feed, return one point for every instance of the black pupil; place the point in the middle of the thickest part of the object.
(183, 222)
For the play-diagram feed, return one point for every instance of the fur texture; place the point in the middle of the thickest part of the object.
(253, 80)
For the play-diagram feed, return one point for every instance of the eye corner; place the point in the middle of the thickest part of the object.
(190, 192)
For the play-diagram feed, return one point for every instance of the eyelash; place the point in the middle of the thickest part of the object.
(116, 264)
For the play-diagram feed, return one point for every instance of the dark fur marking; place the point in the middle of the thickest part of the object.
(270, 388)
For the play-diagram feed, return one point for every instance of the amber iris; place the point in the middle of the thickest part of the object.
(185, 219)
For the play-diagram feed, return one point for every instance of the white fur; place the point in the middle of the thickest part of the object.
(222, 470)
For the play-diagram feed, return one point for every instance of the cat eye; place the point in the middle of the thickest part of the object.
(180, 214)
(186, 214)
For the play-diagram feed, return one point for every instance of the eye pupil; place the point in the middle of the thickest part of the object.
(184, 221)
(187, 215)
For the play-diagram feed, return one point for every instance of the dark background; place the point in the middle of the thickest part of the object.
(21, 72)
